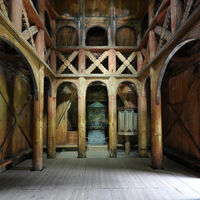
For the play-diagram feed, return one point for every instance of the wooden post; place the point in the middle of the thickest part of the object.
(176, 14)
(142, 126)
(139, 61)
(82, 118)
(127, 144)
(156, 116)
(112, 61)
(53, 60)
(152, 44)
(51, 144)
(156, 125)
(41, 9)
(40, 44)
(151, 11)
(16, 14)
(37, 163)
(81, 61)
(112, 99)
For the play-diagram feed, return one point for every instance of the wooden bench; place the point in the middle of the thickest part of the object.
(5, 163)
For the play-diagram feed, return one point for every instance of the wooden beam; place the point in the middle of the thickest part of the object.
(167, 36)
(26, 33)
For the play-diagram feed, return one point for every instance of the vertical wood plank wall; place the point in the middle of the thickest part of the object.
(181, 113)
(16, 112)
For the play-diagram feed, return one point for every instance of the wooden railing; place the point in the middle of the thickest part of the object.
(31, 24)
(162, 25)
(83, 61)
(134, 62)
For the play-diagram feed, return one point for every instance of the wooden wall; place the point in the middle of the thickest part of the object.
(97, 8)
(67, 36)
(16, 112)
(125, 7)
(125, 36)
(68, 8)
(181, 113)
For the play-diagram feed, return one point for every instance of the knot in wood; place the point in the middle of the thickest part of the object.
(67, 63)
(126, 63)
(97, 63)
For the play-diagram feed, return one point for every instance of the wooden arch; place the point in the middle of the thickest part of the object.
(9, 42)
(132, 30)
(134, 82)
(164, 67)
(61, 28)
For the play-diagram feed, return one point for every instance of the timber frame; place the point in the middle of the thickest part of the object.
(151, 55)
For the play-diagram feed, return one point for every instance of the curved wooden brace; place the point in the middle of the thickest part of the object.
(164, 67)
(29, 65)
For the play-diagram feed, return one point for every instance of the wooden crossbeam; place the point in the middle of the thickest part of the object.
(48, 53)
(67, 62)
(165, 27)
(27, 25)
(3, 8)
(122, 97)
(97, 62)
(126, 62)
(67, 107)
(159, 29)
(187, 11)
(26, 33)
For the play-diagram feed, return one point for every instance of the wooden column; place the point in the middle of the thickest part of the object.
(53, 60)
(156, 115)
(139, 61)
(16, 14)
(176, 14)
(152, 44)
(112, 99)
(81, 61)
(127, 144)
(82, 118)
(40, 44)
(37, 163)
(156, 125)
(112, 61)
(142, 126)
(51, 142)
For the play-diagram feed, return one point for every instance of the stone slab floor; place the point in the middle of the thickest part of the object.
(99, 178)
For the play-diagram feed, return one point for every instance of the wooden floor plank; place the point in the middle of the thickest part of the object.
(127, 177)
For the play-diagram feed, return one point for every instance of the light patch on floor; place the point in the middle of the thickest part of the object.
(99, 178)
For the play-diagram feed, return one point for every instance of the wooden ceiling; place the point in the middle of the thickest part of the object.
(101, 8)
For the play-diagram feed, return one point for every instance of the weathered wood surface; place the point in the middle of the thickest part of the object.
(123, 178)
(181, 114)
(15, 113)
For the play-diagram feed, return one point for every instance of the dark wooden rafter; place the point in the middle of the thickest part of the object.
(187, 11)
(165, 27)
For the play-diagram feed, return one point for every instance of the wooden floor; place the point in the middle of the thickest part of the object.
(98, 177)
